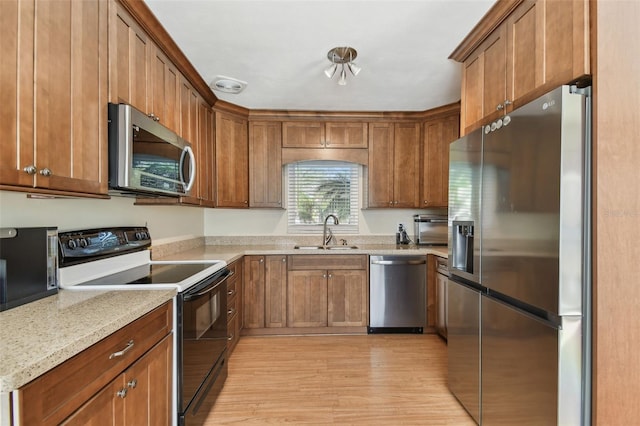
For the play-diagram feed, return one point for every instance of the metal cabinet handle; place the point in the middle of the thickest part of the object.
(45, 172)
(133, 383)
(31, 170)
(499, 107)
(122, 352)
(398, 262)
(284, 259)
(330, 275)
(261, 260)
(122, 393)
(231, 292)
(390, 203)
(507, 102)
(231, 312)
(230, 338)
(324, 275)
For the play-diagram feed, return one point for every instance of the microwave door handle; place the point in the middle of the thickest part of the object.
(192, 158)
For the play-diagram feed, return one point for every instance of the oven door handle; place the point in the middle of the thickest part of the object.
(187, 297)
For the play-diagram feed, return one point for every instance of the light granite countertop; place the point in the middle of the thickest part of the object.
(230, 253)
(40, 335)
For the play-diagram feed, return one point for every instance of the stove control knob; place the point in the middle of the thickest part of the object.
(72, 244)
(84, 242)
(138, 236)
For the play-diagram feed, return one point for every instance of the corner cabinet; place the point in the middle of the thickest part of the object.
(394, 165)
(232, 161)
(54, 126)
(234, 306)
(265, 164)
(124, 379)
(535, 47)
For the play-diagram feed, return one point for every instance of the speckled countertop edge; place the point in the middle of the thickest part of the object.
(230, 253)
(40, 335)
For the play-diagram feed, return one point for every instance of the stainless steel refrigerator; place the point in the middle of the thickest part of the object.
(524, 262)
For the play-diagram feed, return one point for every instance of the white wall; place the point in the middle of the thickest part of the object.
(164, 222)
(224, 222)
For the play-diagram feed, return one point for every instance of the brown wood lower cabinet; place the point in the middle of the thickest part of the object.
(139, 396)
(124, 379)
(327, 291)
(234, 305)
(305, 294)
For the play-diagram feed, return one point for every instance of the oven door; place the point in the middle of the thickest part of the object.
(202, 325)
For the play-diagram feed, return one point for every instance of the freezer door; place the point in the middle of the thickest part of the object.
(463, 345)
(532, 203)
(519, 367)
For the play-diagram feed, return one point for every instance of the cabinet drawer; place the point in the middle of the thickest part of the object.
(233, 334)
(335, 261)
(232, 308)
(52, 397)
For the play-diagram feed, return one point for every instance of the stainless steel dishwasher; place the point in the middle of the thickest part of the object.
(397, 294)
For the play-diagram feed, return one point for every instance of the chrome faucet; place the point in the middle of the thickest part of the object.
(327, 239)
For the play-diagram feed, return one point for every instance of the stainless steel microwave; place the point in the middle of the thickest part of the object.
(145, 157)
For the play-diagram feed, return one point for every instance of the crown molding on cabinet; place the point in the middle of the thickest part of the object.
(146, 19)
(229, 108)
(489, 22)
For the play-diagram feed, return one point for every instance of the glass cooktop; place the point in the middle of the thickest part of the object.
(154, 273)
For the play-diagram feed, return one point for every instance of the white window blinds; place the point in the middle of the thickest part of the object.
(318, 188)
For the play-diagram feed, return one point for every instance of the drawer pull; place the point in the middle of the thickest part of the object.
(231, 312)
(231, 292)
(133, 383)
(122, 352)
(122, 393)
(230, 338)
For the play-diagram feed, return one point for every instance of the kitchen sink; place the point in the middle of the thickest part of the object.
(327, 248)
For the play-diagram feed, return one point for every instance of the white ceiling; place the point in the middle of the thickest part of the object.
(279, 47)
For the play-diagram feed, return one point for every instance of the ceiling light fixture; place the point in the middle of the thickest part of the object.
(339, 57)
(227, 84)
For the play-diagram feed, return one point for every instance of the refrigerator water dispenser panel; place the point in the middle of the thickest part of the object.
(463, 249)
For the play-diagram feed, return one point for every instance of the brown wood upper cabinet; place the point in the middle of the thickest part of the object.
(265, 164)
(541, 44)
(438, 134)
(54, 128)
(317, 134)
(394, 165)
(141, 74)
(232, 161)
(205, 167)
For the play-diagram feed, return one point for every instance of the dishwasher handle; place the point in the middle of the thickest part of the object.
(398, 262)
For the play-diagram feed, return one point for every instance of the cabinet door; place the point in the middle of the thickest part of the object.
(206, 159)
(381, 164)
(105, 408)
(276, 291)
(307, 299)
(232, 161)
(70, 97)
(149, 391)
(438, 134)
(472, 91)
(16, 106)
(164, 89)
(347, 298)
(346, 135)
(253, 292)
(406, 165)
(303, 134)
(265, 164)
(129, 53)
(495, 74)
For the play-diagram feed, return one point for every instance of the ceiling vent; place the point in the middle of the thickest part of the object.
(227, 84)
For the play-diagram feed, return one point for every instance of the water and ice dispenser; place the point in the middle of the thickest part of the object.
(462, 241)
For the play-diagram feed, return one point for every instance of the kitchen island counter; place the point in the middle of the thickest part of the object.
(40, 335)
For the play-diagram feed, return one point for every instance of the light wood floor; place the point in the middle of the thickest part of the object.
(371, 379)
